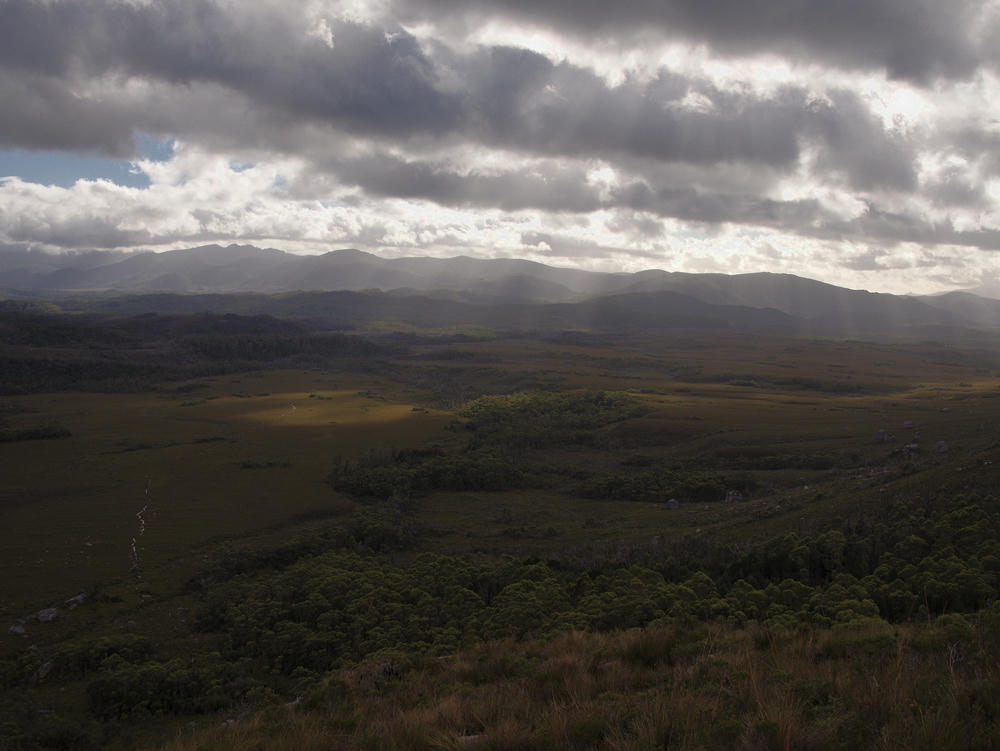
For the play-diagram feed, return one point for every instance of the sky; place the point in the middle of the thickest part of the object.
(856, 142)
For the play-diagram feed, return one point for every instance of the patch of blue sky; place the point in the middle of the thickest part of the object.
(63, 168)
(154, 149)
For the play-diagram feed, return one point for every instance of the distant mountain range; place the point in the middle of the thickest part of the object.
(340, 287)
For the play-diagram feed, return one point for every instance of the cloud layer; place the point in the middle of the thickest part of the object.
(845, 141)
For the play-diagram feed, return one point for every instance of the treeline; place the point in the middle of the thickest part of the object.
(34, 329)
(401, 474)
(686, 374)
(90, 371)
(270, 347)
(40, 433)
(659, 485)
(41, 353)
(763, 458)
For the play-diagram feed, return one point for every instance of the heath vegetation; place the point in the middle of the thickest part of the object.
(240, 531)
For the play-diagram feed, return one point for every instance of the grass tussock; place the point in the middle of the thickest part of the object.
(868, 686)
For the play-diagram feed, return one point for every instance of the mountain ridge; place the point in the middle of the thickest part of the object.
(604, 298)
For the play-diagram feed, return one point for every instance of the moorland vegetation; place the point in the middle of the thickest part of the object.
(514, 540)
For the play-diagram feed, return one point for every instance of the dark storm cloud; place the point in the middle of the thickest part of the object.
(550, 188)
(804, 217)
(917, 40)
(40, 112)
(520, 106)
(522, 100)
(856, 145)
(892, 228)
(562, 189)
(368, 79)
(954, 188)
(867, 261)
(976, 144)
(691, 205)
(378, 84)
(566, 189)
(636, 224)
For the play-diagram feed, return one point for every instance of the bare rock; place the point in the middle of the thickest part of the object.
(73, 602)
(17, 629)
(47, 615)
(41, 674)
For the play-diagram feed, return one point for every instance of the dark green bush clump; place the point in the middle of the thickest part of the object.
(535, 419)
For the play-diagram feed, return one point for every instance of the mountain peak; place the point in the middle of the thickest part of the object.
(352, 254)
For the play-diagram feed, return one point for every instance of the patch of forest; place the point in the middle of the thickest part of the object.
(500, 430)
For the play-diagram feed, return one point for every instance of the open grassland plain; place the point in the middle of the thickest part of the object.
(449, 492)
(211, 459)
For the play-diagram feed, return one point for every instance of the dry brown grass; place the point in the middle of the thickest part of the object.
(715, 688)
